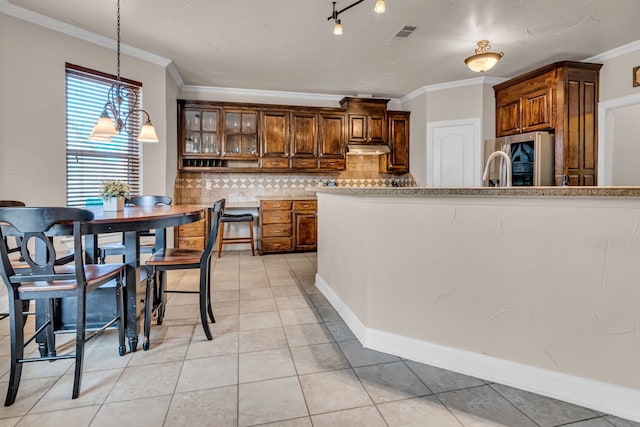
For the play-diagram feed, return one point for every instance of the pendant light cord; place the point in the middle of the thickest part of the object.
(118, 46)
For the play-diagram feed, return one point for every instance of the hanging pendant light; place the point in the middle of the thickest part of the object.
(483, 60)
(105, 127)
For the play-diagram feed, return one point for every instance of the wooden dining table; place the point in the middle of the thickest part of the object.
(130, 221)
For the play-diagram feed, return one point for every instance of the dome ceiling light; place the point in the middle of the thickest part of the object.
(483, 60)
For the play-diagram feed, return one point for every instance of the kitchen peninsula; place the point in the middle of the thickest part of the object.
(528, 287)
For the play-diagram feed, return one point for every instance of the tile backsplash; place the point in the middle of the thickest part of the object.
(205, 188)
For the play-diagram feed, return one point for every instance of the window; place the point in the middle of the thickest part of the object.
(91, 162)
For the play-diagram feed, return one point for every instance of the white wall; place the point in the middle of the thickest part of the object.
(626, 145)
(533, 292)
(32, 137)
(442, 103)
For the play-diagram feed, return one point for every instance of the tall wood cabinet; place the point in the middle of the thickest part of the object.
(561, 98)
(398, 157)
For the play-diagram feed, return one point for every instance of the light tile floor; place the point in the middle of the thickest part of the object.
(281, 355)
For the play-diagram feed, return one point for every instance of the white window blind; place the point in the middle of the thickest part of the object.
(91, 162)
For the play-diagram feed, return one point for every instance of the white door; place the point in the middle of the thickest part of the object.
(453, 153)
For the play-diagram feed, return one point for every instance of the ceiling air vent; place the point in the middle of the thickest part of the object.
(405, 31)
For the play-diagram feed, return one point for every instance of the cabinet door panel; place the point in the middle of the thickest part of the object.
(508, 120)
(398, 160)
(357, 128)
(376, 129)
(536, 111)
(332, 135)
(304, 141)
(275, 134)
(306, 231)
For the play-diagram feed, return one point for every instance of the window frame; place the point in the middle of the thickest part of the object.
(88, 163)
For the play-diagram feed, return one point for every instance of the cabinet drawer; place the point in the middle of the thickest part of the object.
(276, 230)
(191, 242)
(305, 205)
(275, 163)
(311, 163)
(277, 244)
(276, 217)
(276, 204)
(332, 164)
(195, 229)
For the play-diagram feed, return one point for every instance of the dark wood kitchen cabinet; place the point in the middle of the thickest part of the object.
(561, 98)
(288, 225)
(243, 137)
(275, 144)
(398, 157)
(306, 224)
(304, 140)
(332, 144)
(366, 120)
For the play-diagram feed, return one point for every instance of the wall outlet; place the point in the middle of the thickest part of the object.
(207, 185)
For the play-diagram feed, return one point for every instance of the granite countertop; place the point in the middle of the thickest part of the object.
(485, 191)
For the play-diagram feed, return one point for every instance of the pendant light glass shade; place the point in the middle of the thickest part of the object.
(148, 133)
(104, 128)
(379, 7)
(483, 60)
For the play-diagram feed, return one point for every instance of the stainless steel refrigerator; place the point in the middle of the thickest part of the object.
(532, 159)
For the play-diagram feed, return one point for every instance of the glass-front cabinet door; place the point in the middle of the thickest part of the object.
(201, 132)
(240, 134)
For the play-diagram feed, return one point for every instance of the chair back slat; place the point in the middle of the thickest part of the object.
(150, 200)
(32, 226)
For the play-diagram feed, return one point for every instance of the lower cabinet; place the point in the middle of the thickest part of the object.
(193, 235)
(288, 225)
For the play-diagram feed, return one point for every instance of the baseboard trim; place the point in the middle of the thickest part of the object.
(604, 397)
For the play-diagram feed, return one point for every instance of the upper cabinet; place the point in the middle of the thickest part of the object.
(242, 137)
(367, 120)
(398, 157)
(561, 98)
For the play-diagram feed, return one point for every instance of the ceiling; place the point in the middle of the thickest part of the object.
(288, 45)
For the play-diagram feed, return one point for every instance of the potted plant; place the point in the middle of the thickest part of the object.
(113, 194)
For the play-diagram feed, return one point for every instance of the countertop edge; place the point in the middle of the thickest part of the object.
(628, 192)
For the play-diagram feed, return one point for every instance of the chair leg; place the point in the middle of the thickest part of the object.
(148, 307)
(16, 322)
(49, 330)
(203, 304)
(220, 239)
(81, 324)
(122, 349)
(253, 252)
(161, 281)
(209, 308)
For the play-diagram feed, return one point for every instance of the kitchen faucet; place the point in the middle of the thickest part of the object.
(505, 168)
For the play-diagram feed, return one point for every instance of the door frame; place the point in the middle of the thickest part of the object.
(476, 123)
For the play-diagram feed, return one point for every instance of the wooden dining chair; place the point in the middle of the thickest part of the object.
(45, 281)
(181, 259)
(118, 248)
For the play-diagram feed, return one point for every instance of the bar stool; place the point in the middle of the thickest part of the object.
(235, 218)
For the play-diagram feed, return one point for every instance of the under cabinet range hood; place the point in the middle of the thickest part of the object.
(368, 149)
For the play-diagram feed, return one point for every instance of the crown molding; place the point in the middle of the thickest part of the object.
(175, 74)
(450, 85)
(618, 51)
(212, 91)
(79, 33)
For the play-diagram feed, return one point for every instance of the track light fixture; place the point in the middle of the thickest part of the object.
(337, 28)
